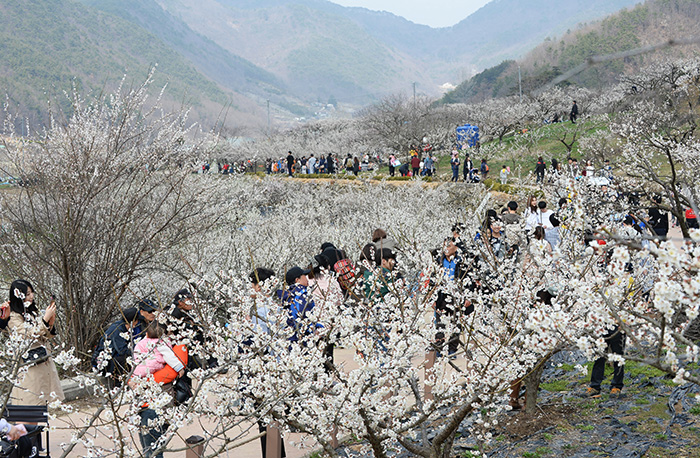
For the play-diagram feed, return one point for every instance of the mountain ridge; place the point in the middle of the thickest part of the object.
(645, 24)
(295, 54)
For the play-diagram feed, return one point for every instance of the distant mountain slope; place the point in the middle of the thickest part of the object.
(311, 45)
(321, 49)
(242, 53)
(227, 69)
(649, 23)
(504, 29)
(46, 45)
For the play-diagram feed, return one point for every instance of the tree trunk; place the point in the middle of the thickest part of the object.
(532, 383)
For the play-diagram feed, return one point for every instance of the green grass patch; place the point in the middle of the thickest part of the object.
(695, 410)
(556, 385)
(634, 369)
(538, 453)
(586, 427)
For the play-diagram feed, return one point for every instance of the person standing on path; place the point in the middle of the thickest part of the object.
(467, 170)
(540, 169)
(454, 162)
(484, 169)
(415, 165)
(290, 164)
(574, 113)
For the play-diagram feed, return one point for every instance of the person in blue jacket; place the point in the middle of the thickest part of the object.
(298, 301)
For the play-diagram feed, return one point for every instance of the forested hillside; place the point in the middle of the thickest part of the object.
(649, 23)
(48, 45)
(233, 56)
(321, 49)
(227, 69)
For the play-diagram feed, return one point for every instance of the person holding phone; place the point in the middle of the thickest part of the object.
(41, 378)
(4, 314)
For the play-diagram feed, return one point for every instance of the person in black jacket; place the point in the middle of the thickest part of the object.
(540, 169)
(290, 164)
(658, 218)
(188, 330)
(120, 347)
(574, 113)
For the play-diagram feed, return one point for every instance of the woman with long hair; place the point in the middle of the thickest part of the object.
(41, 383)
(530, 214)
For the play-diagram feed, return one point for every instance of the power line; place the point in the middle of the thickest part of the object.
(595, 60)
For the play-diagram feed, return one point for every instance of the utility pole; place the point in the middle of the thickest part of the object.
(520, 85)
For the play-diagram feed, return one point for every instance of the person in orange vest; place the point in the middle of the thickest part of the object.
(151, 429)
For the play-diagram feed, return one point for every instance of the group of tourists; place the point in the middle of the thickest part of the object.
(329, 164)
(160, 349)
(572, 169)
(471, 174)
(136, 335)
(138, 346)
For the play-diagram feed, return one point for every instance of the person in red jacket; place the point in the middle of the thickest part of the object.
(415, 165)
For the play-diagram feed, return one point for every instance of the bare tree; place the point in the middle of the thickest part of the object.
(103, 193)
(397, 122)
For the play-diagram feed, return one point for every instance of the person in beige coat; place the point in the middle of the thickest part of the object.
(41, 378)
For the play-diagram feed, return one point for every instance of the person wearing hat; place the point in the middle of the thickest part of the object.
(296, 298)
(111, 362)
(146, 313)
(187, 327)
(181, 307)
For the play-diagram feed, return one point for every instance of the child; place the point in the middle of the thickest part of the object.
(505, 171)
(153, 352)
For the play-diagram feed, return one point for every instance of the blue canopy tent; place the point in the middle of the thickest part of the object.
(467, 135)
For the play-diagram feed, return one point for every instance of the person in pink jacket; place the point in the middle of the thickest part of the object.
(154, 351)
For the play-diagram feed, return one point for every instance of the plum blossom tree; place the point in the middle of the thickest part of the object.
(659, 145)
(104, 193)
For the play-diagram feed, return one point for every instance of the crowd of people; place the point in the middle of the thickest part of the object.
(329, 164)
(137, 346)
(136, 335)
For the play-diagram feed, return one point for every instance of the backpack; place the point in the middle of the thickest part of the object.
(346, 273)
(348, 163)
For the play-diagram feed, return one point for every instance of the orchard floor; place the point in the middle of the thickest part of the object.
(293, 441)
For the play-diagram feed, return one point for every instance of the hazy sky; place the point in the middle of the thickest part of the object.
(435, 13)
